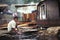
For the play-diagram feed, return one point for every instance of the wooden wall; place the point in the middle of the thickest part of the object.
(30, 17)
(52, 12)
(52, 9)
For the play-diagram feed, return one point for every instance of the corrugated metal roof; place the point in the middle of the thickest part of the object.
(23, 5)
(3, 5)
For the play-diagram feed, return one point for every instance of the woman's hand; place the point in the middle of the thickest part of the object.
(18, 23)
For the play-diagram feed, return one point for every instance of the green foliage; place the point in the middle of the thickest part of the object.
(18, 1)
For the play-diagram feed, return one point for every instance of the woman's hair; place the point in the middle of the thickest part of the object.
(15, 17)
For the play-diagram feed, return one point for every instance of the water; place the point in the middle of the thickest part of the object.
(38, 38)
(41, 38)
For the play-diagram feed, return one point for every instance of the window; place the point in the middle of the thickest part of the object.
(42, 12)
